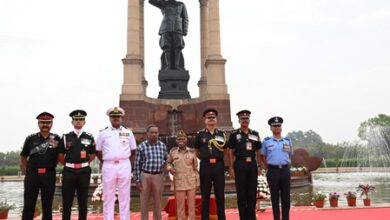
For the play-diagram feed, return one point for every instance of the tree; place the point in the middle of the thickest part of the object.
(314, 144)
(10, 158)
(305, 138)
(376, 131)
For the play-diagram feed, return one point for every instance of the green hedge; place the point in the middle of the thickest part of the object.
(9, 170)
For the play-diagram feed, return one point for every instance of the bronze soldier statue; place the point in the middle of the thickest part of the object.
(173, 27)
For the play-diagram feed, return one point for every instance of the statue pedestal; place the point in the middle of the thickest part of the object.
(172, 115)
(173, 84)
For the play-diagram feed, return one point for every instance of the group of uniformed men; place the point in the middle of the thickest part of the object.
(116, 146)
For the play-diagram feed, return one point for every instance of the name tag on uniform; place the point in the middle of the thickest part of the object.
(83, 154)
(219, 138)
(213, 160)
(248, 145)
(85, 141)
(238, 136)
(248, 159)
(253, 137)
(286, 148)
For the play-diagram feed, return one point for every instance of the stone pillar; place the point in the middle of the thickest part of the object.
(202, 83)
(215, 64)
(142, 41)
(133, 87)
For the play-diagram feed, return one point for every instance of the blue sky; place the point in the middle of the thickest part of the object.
(322, 64)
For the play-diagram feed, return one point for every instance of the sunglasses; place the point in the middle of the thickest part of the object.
(79, 119)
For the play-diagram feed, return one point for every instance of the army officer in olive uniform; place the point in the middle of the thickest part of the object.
(245, 144)
(76, 151)
(210, 143)
(39, 160)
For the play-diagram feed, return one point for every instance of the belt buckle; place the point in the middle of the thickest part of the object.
(213, 160)
(77, 165)
(116, 161)
(41, 170)
(248, 159)
(280, 166)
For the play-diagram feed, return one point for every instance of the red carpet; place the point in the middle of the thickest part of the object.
(297, 213)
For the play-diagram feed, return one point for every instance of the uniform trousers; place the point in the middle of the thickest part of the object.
(181, 201)
(75, 180)
(246, 186)
(279, 180)
(33, 183)
(212, 174)
(116, 174)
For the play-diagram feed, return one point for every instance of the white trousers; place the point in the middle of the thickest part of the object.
(116, 175)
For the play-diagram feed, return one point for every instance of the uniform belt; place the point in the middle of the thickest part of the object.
(208, 160)
(40, 170)
(77, 165)
(245, 159)
(153, 173)
(278, 166)
(115, 161)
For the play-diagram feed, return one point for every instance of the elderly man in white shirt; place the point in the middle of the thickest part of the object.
(115, 145)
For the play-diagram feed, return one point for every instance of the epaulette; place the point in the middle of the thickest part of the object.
(128, 128)
(200, 131)
(55, 135)
(219, 130)
(103, 129)
(89, 134)
(31, 135)
(173, 148)
(190, 149)
(235, 131)
(267, 138)
(287, 138)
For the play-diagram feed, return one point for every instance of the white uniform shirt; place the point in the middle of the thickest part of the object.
(116, 144)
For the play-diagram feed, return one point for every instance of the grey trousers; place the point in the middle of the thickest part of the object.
(152, 185)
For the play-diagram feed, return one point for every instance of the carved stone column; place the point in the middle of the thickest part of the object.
(215, 64)
(133, 87)
(202, 83)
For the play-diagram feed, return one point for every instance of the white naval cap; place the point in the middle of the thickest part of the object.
(115, 111)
